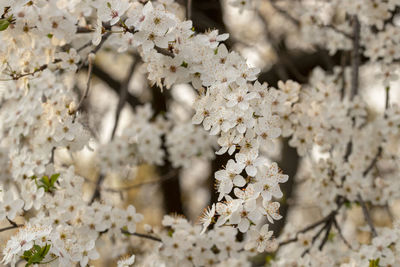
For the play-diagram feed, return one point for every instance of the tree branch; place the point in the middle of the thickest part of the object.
(326, 219)
(189, 9)
(355, 62)
(86, 93)
(10, 227)
(114, 85)
(123, 93)
(142, 235)
(171, 175)
(97, 190)
(367, 216)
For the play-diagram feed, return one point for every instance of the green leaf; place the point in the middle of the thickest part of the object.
(36, 254)
(4, 23)
(184, 64)
(45, 250)
(170, 233)
(374, 263)
(45, 180)
(347, 204)
(269, 258)
(47, 183)
(53, 179)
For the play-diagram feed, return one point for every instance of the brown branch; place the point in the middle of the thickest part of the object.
(373, 162)
(10, 227)
(297, 22)
(333, 27)
(114, 85)
(189, 9)
(45, 66)
(160, 50)
(335, 223)
(84, 30)
(12, 222)
(41, 68)
(328, 228)
(355, 61)
(123, 93)
(171, 175)
(97, 190)
(367, 216)
(285, 13)
(326, 219)
(89, 78)
(142, 235)
(13, 225)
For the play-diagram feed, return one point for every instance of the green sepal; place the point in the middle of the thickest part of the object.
(4, 23)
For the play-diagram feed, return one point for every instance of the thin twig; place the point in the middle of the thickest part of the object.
(189, 9)
(90, 70)
(285, 13)
(387, 98)
(97, 189)
(142, 235)
(13, 225)
(84, 30)
(160, 50)
(373, 162)
(335, 223)
(53, 149)
(355, 57)
(41, 68)
(328, 230)
(297, 22)
(168, 176)
(12, 222)
(123, 93)
(10, 227)
(114, 85)
(342, 74)
(367, 216)
(330, 26)
(326, 219)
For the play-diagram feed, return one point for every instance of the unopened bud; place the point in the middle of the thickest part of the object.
(91, 57)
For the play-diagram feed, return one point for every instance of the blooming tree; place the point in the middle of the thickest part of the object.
(349, 152)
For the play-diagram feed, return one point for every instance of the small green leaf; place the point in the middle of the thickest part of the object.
(54, 178)
(269, 258)
(374, 263)
(184, 64)
(45, 180)
(4, 23)
(170, 232)
(36, 254)
(45, 250)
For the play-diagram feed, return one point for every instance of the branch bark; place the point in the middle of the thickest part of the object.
(355, 62)
(123, 93)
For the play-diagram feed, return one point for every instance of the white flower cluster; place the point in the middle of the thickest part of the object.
(229, 105)
(186, 142)
(184, 245)
(139, 143)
